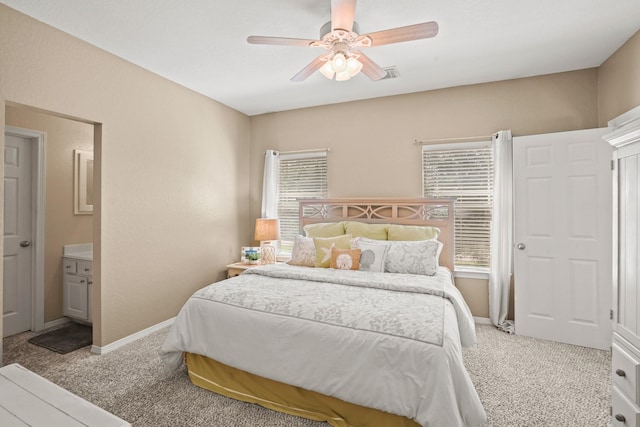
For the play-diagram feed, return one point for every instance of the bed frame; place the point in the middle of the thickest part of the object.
(418, 211)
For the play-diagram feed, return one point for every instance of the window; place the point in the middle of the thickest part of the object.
(463, 171)
(302, 176)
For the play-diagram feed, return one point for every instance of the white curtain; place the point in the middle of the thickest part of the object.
(501, 231)
(270, 184)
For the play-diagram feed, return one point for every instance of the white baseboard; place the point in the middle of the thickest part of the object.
(482, 320)
(131, 338)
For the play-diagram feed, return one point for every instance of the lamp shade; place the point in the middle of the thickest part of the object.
(267, 229)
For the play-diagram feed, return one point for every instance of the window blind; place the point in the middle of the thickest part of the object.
(302, 175)
(464, 171)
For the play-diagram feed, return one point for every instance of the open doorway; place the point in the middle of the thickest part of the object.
(61, 223)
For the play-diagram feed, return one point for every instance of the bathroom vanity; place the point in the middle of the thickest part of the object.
(77, 285)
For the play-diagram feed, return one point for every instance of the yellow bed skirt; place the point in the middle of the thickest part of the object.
(240, 385)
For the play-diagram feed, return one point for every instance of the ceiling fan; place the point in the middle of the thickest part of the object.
(340, 38)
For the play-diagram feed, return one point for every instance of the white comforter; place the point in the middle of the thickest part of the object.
(379, 340)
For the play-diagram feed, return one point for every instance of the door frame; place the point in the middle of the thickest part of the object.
(37, 139)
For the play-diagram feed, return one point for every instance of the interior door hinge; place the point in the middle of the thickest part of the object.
(613, 165)
(611, 314)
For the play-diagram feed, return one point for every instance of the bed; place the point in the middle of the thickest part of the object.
(359, 344)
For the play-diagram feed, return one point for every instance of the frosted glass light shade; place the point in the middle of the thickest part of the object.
(353, 66)
(343, 75)
(341, 67)
(339, 62)
(327, 70)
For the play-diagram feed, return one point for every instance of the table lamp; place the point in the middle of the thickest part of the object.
(267, 230)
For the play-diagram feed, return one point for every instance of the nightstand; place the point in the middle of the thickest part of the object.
(236, 268)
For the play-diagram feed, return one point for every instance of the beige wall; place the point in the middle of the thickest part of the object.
(171, 171)
(62, 227)
(372, 151)
(619, 81)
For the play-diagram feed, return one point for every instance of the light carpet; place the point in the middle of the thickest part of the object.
(521, 381)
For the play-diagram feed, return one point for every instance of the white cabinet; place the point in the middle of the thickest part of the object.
(625, 350)
(77, 292)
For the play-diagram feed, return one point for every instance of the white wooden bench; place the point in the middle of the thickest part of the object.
(27, 399)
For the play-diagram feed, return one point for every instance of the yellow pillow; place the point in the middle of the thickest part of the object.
(323, 248)
(412, 232)
(324, 229)
(345, 259)
(362, 229)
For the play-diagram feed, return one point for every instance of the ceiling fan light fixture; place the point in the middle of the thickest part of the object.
(353, 66)
(327, 70)
(342, 39)
(339, 62)
(343, 75)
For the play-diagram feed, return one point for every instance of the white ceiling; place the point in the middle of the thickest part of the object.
(201, 44)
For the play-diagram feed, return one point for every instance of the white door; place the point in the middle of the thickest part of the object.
(17, 235)
(563, 237)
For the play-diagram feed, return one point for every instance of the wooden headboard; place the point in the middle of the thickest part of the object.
(434, 212)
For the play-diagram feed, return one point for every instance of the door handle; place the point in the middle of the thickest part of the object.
(521, 246)
(25, 243)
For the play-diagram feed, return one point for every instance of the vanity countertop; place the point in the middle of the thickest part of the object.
(83, 251)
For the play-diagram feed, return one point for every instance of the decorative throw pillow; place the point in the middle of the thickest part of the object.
(362, 229)
(323, 247)
(415, 257)
(372, 255)
(324, 229)
(345, 259)
(412, 232)
(303, 253)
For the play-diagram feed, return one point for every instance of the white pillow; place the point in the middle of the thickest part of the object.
(304, 252)
(372, 255)
(413, 257)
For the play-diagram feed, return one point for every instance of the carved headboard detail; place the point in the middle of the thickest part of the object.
(410, 211)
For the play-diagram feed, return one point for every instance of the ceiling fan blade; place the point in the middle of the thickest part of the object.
(279, 41)
(310, 69)
(342, 14)
(404, 34)
(370, 68)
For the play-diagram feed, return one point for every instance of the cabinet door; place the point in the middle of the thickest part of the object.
(75, 291)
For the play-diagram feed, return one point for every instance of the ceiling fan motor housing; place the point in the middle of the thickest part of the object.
(326, 29)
